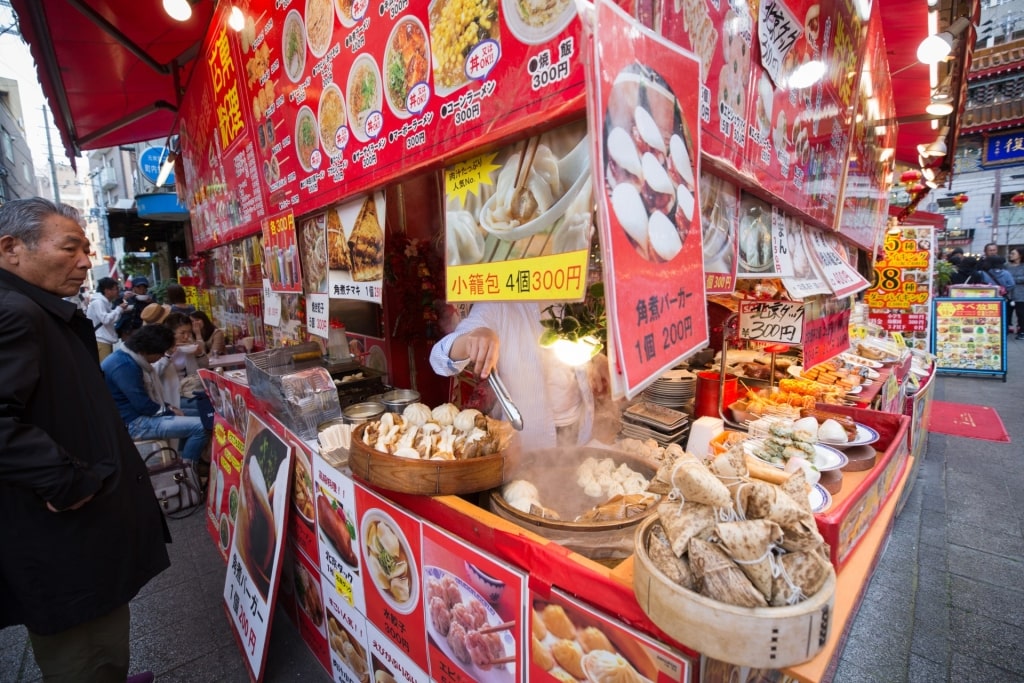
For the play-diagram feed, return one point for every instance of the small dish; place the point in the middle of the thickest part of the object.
(484, 584)
(865, 436)
(820, 499)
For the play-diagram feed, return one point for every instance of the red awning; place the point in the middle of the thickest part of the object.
(112, 70)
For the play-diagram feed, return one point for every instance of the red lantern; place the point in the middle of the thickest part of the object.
(959, 200)
(910, 177)
(917, 188)
(1018, 199)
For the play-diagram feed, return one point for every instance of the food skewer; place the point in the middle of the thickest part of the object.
(502, 660)
(504, 626)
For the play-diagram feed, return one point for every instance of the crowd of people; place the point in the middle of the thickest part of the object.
(992, 269)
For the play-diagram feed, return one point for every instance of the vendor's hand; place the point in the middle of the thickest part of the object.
(481, 347)
(49, 505)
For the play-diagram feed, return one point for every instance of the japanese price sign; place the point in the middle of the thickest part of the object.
(772, 321)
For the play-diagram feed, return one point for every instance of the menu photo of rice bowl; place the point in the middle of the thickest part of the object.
(649, 164)
(456, 28)
(319, 26)
(332, 120)
(365, 98)
(407, 67)
(293, 46)
(350, 12)
(307, 140)
(537, 21)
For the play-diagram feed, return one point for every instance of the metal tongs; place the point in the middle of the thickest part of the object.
(507, 406)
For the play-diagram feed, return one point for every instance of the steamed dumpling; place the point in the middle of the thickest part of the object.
(601, 666)
(830, 430)
(444, 414)
(416, 414)
(465, 420)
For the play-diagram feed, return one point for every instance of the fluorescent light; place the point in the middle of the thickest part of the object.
(165, 170)
(179, 10)
(576, 353)
(886, 154)
(236, 20)
(807, 74)
(939, 108)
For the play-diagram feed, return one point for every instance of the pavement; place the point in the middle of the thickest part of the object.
(945, 603)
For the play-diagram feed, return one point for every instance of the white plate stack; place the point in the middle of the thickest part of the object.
(674, 389)
(646, 420)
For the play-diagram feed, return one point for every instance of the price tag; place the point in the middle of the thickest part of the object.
(271, 308)
(317, 314)
(772, 321)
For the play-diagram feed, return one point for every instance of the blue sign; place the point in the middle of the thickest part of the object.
(1005, 148)
(150, 161)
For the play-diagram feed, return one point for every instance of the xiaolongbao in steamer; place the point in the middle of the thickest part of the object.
(541, 654)
(465, 420)
(601, 666)
(416, 414)
(444, 414)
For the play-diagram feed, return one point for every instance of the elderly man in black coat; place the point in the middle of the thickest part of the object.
(81, 529)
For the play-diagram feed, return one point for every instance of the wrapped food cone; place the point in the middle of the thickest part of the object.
(675, 568)
(720, 579)
(683, 521)
(797, 488)
(749, 544)
(730, 468)
(754, 499)
(695, 483)
(803, 574)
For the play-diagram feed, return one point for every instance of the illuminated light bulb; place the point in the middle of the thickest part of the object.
(179, 10)
(236, 20)
(576, 353)
(807, 74)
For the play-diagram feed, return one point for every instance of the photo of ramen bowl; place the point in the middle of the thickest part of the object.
(293, 46)
(364, 94)
(307, 139)
(389, 561)
(332, 120)
(319, 26)
(406, 63)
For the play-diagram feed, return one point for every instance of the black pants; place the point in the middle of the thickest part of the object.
(93, 652)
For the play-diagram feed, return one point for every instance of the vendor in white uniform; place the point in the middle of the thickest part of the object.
(555, 400)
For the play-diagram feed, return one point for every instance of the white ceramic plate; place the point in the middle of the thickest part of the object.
(825, 457)
(496, 674)
(820, 498)
(857, 360)
(865, 435)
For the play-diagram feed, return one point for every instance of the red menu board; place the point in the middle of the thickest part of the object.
(328, 99)
(310, 616)
(721, 35)
(865, 198)
(719, 216)
(475, 616)
(826, 329)
(390, 553)
(281, 254)
(645, 120)
(302, 530)
(257, 546)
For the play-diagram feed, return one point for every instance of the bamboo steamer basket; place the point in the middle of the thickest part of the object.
(423, 477)
(762, 637)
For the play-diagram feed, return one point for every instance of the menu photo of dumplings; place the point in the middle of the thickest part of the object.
(570, 642)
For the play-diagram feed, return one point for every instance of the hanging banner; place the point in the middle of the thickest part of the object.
(257, 547)
(755, 238)
(719, 216)
(829, 256)
(826, 329)
(281, 254)
(519, 221)
(806, 280)
(644, 106)
(312, 102)
(900, 298)
(355, 248)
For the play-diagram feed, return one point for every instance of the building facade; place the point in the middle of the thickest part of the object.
(17, 174)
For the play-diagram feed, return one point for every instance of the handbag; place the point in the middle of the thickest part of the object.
(175, 482)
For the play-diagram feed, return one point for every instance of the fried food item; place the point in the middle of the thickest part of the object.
(337, 247)
(366, 245)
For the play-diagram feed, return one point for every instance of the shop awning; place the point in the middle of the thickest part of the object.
(112, 70)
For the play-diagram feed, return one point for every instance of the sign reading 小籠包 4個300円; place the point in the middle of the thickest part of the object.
(646, 135)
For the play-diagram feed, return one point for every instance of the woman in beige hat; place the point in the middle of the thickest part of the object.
(154, 314)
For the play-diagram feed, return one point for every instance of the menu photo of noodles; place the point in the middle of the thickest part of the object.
(254, 564)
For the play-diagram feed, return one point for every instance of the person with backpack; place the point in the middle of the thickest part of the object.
(104, 315)
(992, 272)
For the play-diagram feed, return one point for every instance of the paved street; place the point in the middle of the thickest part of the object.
(946, 602)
